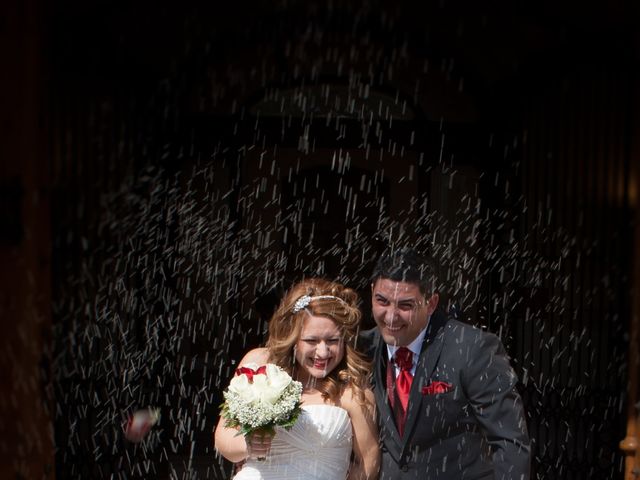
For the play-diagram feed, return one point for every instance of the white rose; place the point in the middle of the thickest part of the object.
(240, 386)
(264, 388)
(271, 385)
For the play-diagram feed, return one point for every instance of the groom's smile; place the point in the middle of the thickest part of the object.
(400, 310)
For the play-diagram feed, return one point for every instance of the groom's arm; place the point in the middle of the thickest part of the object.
(490, 385)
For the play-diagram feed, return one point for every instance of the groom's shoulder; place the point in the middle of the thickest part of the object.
(464, 332)
(370, 333)
(367, 340)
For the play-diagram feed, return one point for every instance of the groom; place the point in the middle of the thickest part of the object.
(445, 392)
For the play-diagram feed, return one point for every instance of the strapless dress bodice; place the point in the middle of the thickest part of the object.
(318, 446)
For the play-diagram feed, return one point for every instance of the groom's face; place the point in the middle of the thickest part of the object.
(400, 310)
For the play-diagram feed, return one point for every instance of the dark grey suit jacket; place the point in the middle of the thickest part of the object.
(475, 431)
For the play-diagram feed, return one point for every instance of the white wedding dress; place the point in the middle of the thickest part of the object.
(317, 447)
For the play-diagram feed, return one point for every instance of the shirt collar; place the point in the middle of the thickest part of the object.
(414, 346)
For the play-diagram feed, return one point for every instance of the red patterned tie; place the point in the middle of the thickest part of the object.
(404, 361)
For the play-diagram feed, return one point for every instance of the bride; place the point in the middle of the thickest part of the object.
(312, 336)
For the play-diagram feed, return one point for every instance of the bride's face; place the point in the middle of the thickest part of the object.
(320, 347)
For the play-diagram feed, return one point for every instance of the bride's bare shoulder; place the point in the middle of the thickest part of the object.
(351, 399)
(257, 355)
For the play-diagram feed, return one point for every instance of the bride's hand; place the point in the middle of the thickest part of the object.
(258, 445)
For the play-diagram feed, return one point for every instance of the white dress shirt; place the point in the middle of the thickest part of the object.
(414, 346)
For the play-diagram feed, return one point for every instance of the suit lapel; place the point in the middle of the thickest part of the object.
(384, 409)
(429, 355)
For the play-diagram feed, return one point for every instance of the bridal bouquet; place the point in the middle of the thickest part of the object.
(261, 398)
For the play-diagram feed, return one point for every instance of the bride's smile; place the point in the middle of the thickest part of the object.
(319, 349)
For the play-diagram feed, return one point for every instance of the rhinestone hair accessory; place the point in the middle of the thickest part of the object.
(304, 301)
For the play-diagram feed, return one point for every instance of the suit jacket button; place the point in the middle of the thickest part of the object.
(405, 468)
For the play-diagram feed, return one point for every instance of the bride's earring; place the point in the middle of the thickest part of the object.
(293, 363)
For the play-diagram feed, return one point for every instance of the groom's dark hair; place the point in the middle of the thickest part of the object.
(406, 265)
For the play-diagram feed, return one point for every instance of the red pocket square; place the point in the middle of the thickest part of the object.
(436, 387)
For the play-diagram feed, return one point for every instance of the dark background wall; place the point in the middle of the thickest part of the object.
(167, 170)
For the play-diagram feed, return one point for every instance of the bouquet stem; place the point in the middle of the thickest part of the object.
(259, 442)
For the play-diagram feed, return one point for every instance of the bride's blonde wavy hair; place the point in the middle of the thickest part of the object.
(285, 328)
